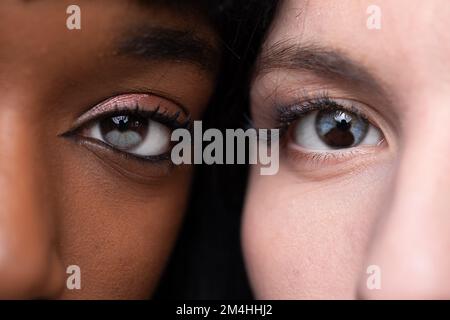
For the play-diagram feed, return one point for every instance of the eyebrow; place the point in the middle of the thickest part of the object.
(163, 44)
(321, 61)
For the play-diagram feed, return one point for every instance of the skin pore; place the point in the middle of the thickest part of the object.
(342, 202)
(85, 125)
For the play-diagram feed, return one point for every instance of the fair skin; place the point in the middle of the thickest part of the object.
(374, 194)
(85, 122)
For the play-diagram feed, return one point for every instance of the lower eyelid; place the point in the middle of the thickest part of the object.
(140, 170)
(311, 159)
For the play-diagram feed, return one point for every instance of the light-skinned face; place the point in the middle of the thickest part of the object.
(364, 162)
(85, 123)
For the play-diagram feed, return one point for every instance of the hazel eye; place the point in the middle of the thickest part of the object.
(332, 129)
(132, 134)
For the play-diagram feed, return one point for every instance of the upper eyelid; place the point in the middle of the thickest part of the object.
(313, 104)
(379, 111)
(130, 102)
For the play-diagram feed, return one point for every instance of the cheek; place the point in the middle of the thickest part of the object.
(120, 233)
(305, 239)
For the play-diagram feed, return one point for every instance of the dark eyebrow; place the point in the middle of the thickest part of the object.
(163, 44)
(322, 61)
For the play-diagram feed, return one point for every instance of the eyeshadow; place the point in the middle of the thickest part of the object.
(127, 102)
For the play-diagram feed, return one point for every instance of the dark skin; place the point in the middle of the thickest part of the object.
(67, 198)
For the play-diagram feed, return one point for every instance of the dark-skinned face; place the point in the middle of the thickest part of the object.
(85, 123)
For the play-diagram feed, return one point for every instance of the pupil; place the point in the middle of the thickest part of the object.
(343, 125)
(122, 124)
(339, 138)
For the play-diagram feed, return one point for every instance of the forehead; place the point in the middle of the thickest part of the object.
(36, 30)
(41, 24)
(413, 33)
(336, 20)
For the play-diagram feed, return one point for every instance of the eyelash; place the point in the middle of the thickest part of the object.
(286, 115)
(171, 121)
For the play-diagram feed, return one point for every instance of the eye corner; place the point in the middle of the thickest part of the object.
(69, 134)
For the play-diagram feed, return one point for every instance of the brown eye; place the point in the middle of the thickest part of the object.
(330, 129)
(133, 134)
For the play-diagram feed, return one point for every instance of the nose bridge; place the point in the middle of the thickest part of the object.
(29, 266)
(423, 180)
(411, 244)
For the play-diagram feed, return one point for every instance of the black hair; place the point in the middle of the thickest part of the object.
(207, 261)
